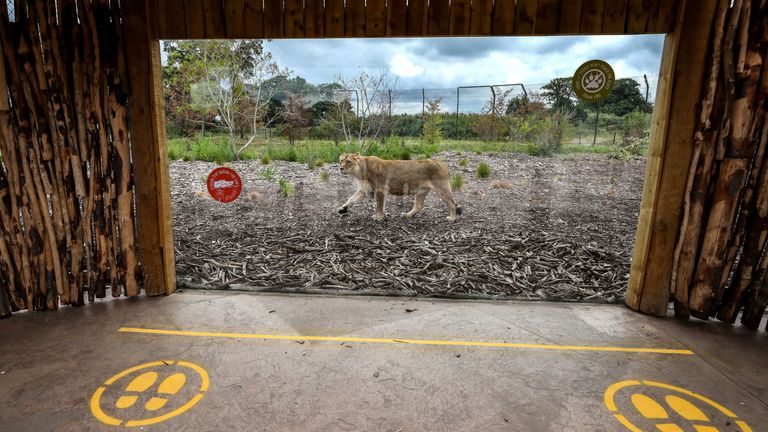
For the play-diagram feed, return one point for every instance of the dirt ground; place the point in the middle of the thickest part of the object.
(559, 228)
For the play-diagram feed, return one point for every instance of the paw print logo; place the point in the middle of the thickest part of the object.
(149, 393)
(593, 81)
(652, 406)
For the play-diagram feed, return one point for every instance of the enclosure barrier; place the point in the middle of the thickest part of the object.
(705, 248)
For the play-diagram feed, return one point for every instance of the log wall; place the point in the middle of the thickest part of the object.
(716, 267)
(67, 226)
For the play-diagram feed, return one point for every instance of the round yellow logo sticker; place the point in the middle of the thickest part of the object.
(149, 393)
(652, 406)
(594, 81)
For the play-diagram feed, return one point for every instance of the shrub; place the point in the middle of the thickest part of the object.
(457, 182)
(286, 188)
(212, 149)
(268, 174)
(265, 160)
(464, 162)
(324, 176)
(319, 163)
(483, 170)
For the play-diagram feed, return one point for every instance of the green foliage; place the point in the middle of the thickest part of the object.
(319, 163)
(457, 182)
(464, 162)
(212, 149)
(266, 160)
(431, 133)
(268, 174)
(483, 170)
(626, 98)
(285, 153)
(324, 176)
(559, 94)
(286, 188)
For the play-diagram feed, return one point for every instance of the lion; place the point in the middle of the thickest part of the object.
(377, 177)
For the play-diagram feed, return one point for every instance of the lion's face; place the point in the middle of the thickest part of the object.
(349, 163)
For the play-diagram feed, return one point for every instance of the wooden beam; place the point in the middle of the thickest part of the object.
(570, 17)
(547, 17)
(334, 18)
(681, 77)
(503, 18)
(375, 18)
(355, 19)
(592, 16)
(173, 25)
(215, 27)
(195, 19)
(235, 18)
(397, 18)
(294, 19)
(148, 143)
(417, 17)
(254, 19)
(273, 19)
(525, 16)
(439, 18)
(481, 19)
(663, 18)
(314, 18)
(460, 18)
(637, 15)
(615, 16)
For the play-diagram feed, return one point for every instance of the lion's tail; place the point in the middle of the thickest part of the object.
(458, 210)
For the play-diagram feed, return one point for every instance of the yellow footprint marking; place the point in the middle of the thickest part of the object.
(686, 409)
(648, 407)
(139, 384)
(169, 386)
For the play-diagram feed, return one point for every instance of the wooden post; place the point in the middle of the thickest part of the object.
(669, 155)
(147, 120)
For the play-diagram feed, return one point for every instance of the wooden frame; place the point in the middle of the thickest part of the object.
(673, 123)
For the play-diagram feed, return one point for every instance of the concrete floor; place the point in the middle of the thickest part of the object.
(375, 364)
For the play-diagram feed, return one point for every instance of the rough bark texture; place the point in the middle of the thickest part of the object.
(66, 216)
(720, 264)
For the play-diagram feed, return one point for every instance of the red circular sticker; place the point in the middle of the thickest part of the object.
(224, 184)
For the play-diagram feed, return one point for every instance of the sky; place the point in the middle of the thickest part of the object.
(452, 62)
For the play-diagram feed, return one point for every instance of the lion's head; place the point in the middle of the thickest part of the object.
(349, 163)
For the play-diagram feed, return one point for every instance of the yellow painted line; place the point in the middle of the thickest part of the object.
(405, 341)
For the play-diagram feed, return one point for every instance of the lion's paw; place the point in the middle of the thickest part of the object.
(378, 218)
(451, 219)
(406, 215)
(343, 210)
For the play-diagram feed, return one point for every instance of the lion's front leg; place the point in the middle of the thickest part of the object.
(358, 196)
(380, 195)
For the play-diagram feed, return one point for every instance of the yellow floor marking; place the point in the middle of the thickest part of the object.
(144, 383)
(686, 409)
(646, 404)
(406, 341)
(648, 407)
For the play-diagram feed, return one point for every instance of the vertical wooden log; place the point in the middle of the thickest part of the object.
(294, 18)
(273, 19)
(314, 18)
(525, 16)
(615, 16)
(592, 16)
(235, 18)
(503, 18)
(334, 18)
(375, 18)
(638, 14)
(147, 125)
(418, 17)
(460, 18)
(570, 17)
(439, 18)
(482, 17)
(354, 19)
(679, 91)
(215, 23)
(547, 17)
(254, 19)
(195, 16)
(397, 18)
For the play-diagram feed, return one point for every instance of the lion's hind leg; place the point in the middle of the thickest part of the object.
(418, 203)
(443, 190)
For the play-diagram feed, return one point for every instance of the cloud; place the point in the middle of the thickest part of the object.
(451, 62)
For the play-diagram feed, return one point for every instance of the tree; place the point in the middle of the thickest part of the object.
(431, 133)
(559, 94)
(626, 98)
(372, 93)
(295, 119)
(230, 77)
